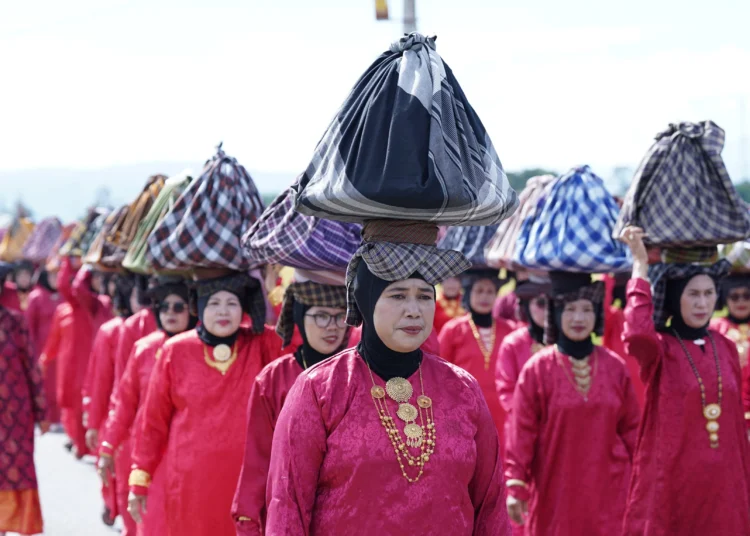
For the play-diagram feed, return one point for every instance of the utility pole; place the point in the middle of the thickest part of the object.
(410, 16)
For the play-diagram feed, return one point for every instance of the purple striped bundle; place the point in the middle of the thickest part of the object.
(40, 244)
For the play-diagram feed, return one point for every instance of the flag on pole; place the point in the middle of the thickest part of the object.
(381, 9)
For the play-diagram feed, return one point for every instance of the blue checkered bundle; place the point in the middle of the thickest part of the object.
(572, 228)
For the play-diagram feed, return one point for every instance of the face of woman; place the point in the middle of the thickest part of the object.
(23, 279)
(404, 314)
(538, 309)
(578, 320)
(325, 328)
(738, 302)
(483, 295)
(112, 287)
(698, 301)
(52, 279)
(173, 314)
(451, 287)
(223, 314)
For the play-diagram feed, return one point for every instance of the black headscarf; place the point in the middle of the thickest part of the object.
(43, 281)
(527, 291)
(203, 334)
(470, 278)
(124, 284)
(569, 287)
(728, 284)
(672, 298)
(383, 361)
(164, 287)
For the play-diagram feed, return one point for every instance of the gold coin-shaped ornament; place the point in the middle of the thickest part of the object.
(712, 426)
(399, 389)
(413, 431)
(407, 412)
(424, 401)
(377, 392)
(222, 353)
(712, 412)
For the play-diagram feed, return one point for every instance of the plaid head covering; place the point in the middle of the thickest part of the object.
(682, 195)
(246, 287)
(441, 167)
(660, 274)
(284, 236)
(593, 292)
(394, 262)
(470, 241)
(308, 293)
(204, 228)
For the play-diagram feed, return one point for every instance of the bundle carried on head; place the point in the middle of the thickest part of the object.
(471, 241)
(501, 248)
(14, 239)
(284, 236)
(571, 229)
(39, 245)
(136, 258)
(205, 227)
(53, 259)
(122, 233)
(406, 143)
(84, 233)
(682, 195)
(101, 245)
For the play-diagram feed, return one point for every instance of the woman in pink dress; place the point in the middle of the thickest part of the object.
(573, 425)
(691, 471)
(386, 439)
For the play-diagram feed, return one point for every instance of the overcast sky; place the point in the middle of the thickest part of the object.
(99, 83)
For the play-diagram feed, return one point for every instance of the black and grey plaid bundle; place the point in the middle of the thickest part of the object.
(204, 228)
(407, 143)
(308, 293)
(682, 195)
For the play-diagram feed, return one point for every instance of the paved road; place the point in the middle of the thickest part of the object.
(69, 491)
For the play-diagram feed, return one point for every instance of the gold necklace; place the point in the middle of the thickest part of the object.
(741, 337)
(486, 353)
(583, 377)
(400, 390)
(711, 412)
(222, 365)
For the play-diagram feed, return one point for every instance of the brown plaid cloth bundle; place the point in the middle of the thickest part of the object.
(682, 195)
(308, 293)
(205, 227)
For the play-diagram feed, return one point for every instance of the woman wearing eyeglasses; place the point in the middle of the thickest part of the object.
(195, 414)
(170, 305)
(735, 292)
(319, 313)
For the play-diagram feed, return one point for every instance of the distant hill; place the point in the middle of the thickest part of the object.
(67, 192)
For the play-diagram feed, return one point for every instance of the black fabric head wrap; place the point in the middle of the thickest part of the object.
(43, 281)
(733, 281)
(383, 361)
(24, 266)
(164, 287)
(566, 288)
(124, 284)
(672, 298)
(527, 291)
(142, 284)
(469, 279)
(5, 269)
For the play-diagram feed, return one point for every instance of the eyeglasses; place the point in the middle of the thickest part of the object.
(323, 320)
(177, 308)
(737, 296)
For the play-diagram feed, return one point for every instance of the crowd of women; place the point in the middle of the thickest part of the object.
(398, 343)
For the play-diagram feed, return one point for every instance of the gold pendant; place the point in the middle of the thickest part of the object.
(221, 366)
(424, 401)
(222, 353)
(399, 389)
(712, 412)
(377, 392)
(406, 412)
(413, 434)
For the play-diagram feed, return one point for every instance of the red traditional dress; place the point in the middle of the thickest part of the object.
(614, 326)
(96, 392)
(333, 469)
(462, 346)
(9, 297)
(125, 418)
(21, 406)
(739, 334)
(446, 310)
(39, 315)
(266, 400)
(515, 350)
(194, 422)
(572, 451)
(680, 484)
(136, 327)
